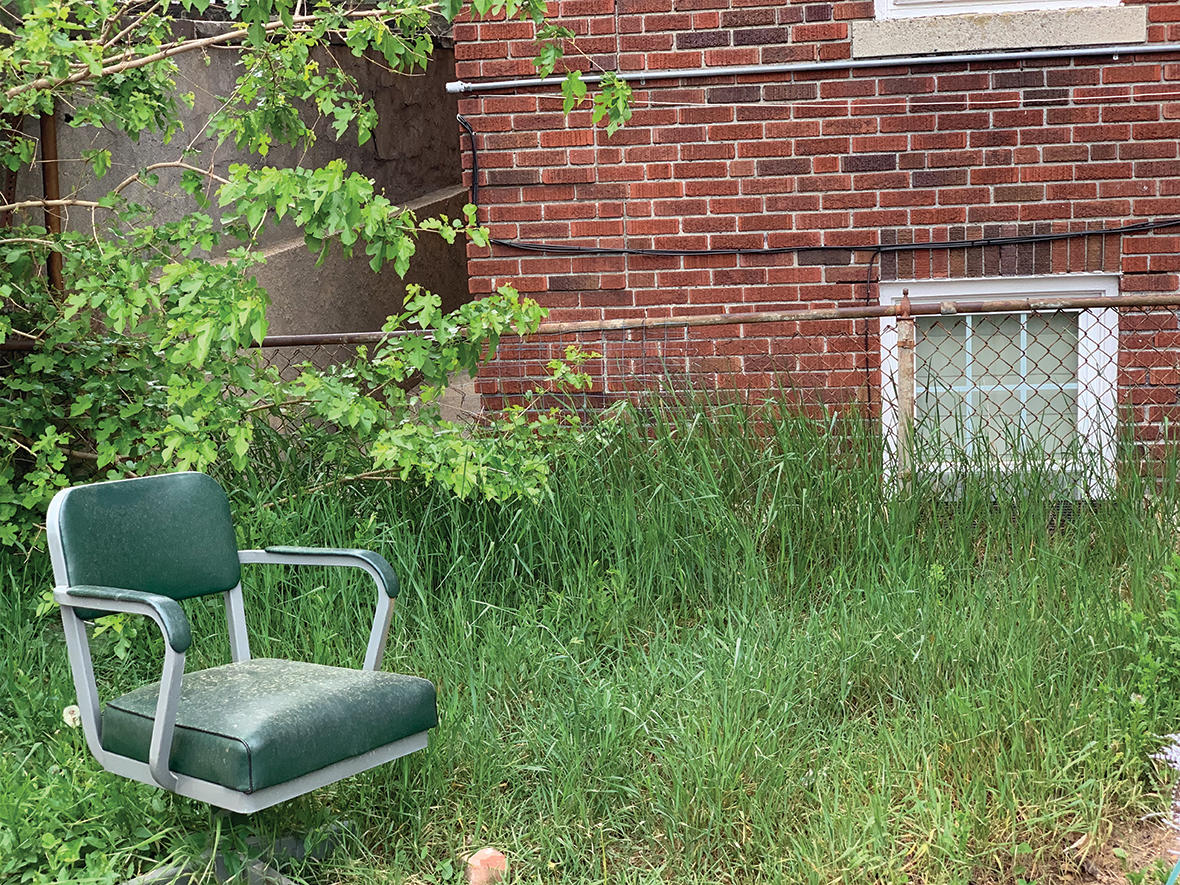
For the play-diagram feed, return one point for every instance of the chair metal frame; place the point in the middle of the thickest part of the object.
(156, 771)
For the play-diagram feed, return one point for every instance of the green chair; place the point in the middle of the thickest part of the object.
(245, 735)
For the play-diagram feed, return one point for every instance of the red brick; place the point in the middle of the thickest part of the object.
(826, 31)
(825, 157)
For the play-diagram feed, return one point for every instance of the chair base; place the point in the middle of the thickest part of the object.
(258, 871)
(254, 873)
(248, 803)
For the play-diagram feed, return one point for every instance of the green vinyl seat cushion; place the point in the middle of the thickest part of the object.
(255, 724)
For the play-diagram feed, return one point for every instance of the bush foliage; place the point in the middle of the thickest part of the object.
(135, 348)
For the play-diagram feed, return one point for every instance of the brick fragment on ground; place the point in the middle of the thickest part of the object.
(485, 867)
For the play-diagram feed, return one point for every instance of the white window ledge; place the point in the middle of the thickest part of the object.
(919, 32)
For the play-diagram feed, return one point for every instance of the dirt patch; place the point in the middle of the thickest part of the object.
(1142, 847)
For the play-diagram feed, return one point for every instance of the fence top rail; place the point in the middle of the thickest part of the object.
(867, 311)
(857, 311)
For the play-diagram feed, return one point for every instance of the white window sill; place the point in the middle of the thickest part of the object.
(1088, 26)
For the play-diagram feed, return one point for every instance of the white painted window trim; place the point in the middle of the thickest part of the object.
(1098, 345)
(890, 9)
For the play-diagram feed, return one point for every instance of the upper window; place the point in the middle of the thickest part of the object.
(921, 27)
(1007, 386)
(913, 8)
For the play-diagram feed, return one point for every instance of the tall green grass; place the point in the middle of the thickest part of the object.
(720, 650)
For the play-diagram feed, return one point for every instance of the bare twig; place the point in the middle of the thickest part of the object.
(111, 19)
(267, 406)
(368, 476)
(131, 27)
(384, 475)
(22, 334)
(32, 241)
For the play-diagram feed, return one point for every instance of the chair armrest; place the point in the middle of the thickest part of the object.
(373, 563)
(164, 610)
(170, 617)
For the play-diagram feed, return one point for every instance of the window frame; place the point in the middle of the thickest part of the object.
(1098, 350)
(885, 10)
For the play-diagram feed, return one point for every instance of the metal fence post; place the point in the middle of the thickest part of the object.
(906, 339)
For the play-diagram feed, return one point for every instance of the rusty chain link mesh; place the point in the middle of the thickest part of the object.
(1074, 381)
(999, 383)
(289, 359)
(821, 363)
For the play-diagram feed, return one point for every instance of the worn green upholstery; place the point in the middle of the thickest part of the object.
(170, 535)
(374, 560)
(255, 724)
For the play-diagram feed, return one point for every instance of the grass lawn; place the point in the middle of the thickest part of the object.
(717, 652)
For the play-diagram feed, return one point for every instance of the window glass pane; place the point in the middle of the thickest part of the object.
(941, 407)
(997, 352)
(938, 354)
(943, 421)
(1051, 423)
(1053, 347)
(996, 382)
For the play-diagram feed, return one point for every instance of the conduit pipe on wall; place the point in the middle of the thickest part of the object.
(464, 87)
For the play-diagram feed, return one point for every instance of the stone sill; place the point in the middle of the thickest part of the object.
(1089, 26)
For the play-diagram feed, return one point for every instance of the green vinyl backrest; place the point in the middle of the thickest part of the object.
(169, 534)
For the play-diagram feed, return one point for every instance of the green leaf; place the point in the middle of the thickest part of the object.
(573, 90)
(99, 160)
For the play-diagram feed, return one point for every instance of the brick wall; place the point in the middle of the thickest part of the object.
(838, 158)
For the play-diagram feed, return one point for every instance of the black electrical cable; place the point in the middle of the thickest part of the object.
(474, 159)
(876, 249)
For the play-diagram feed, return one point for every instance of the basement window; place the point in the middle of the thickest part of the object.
(1004, 388)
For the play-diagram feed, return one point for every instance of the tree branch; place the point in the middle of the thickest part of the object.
(127, 64)
(40, 204)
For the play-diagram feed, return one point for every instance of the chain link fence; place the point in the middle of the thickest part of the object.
(1044, 378)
